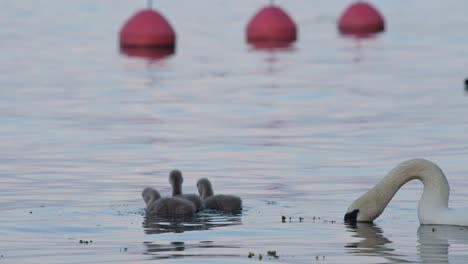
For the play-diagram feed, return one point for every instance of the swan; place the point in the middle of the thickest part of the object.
(433, 205)
(166, 205)
(176, 180)
(219, 201)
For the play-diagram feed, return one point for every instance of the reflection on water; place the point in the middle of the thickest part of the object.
(373, 242)
(272, 46)
(272, 50)
(147, 53)
(206, 220)
(156, 224)
(174, 249)
(358, 45)
(435, 242)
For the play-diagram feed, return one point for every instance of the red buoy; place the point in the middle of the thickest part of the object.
(147, 29)
(271, 24)
(361, 18)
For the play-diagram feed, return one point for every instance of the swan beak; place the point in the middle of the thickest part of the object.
(351, 217)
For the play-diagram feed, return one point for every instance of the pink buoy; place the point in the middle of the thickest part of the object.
(271, 24)
(361, 18)
(147, 29)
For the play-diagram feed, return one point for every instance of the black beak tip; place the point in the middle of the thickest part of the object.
(351, 217)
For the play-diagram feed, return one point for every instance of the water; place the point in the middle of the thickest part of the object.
(299, 133)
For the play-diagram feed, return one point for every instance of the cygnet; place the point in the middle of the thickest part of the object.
(219, 201)
(176, 180)
(166, 205)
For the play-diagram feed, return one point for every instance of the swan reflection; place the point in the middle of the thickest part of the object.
(373, 242)
(206, 220)
(156, 224)
(436, 243)
(176, 249)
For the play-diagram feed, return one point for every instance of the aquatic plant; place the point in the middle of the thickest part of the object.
(272, 253)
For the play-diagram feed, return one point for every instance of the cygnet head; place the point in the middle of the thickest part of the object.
(365, 209)
(150, 194)
(175, 178)
(204, 188)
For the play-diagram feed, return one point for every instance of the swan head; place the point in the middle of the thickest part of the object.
(175, 178)
(365, 209)
(204, 187)
(150, 194)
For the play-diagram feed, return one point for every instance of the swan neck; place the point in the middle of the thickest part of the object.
(176, 180)
(436, 188)
(433, 202)
(152, 195)
(207, 191)
(176, 189)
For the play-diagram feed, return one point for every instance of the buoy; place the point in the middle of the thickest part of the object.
(466, 84)
(271, 25)
(361, 18)
(147, 29)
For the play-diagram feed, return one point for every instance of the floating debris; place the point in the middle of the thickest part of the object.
(283, 219)
(272, 253)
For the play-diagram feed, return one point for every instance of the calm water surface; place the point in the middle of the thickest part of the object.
(298, 132)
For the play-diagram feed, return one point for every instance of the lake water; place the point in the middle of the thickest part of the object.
(297, 133)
